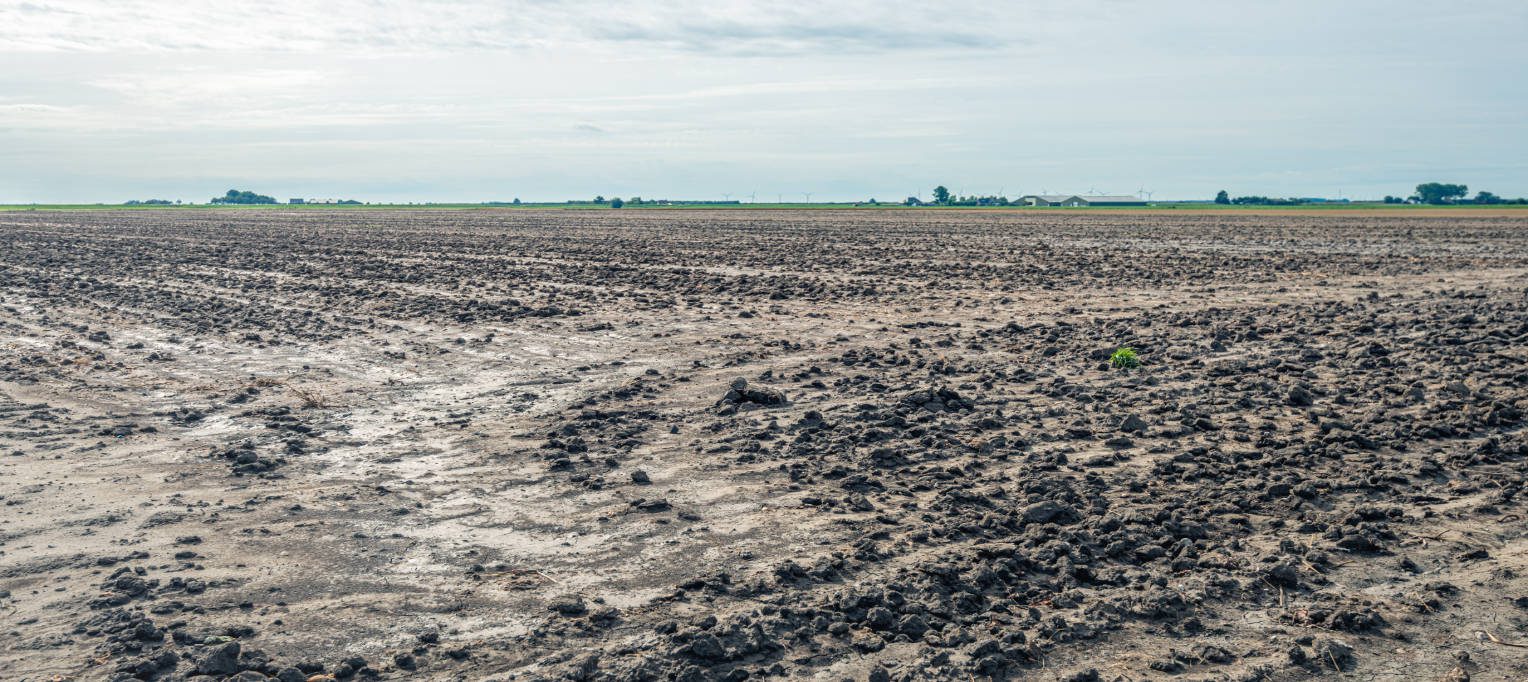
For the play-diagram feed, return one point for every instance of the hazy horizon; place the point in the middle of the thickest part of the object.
(546, 101)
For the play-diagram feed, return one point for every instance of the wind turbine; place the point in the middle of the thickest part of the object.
(808, 197)
(727, 196)
(752, 197)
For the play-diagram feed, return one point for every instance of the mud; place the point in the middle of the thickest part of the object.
(730, 445)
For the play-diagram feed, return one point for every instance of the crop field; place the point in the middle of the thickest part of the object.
(753, 444)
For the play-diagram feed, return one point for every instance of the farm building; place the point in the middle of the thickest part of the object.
(1052, 200)
(1078, 200)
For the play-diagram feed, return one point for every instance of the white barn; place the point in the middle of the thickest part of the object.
(1079, 200)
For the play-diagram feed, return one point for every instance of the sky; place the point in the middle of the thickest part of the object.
(477, 100)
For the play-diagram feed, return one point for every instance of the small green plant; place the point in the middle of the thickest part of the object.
(1125, 358)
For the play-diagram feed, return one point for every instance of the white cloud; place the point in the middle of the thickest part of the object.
(415, 26)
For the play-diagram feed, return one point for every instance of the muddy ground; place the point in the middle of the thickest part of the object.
(727, 445)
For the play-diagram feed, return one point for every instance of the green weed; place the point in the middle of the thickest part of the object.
(1125, 358)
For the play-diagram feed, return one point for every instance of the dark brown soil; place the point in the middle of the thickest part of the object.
(728, 445)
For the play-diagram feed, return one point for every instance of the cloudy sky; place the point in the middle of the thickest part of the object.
(107, 100)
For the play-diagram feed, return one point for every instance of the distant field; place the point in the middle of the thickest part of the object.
(1367, 208)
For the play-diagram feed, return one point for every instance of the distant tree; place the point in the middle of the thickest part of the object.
(941, 195)
(1486, 198)
(517, 201)
(912, 201)
(617, 203)
(1265, 201)
(348, 202)
(873, 202)
(1394, 200)
(599, 199)
(1440, 193)
(237, 197)
(1222, 198)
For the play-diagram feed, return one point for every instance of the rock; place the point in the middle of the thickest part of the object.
(912, 625)
(224, 660)
(584, 667)
(707, 646)
(741, 394)
(764, 396)
(1283, 574)
(1299, 396)
(404, 661)
(572, 606)
(1334, 654)
(1473, 555)
(1046, 511)
(1132, 423)
(650, 506)
(880, 618)
(1297, 656)
(640, 477)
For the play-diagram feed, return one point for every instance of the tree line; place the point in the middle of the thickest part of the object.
(1431, 193)
(243, 197)
(1447, 193)
(943, 197)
